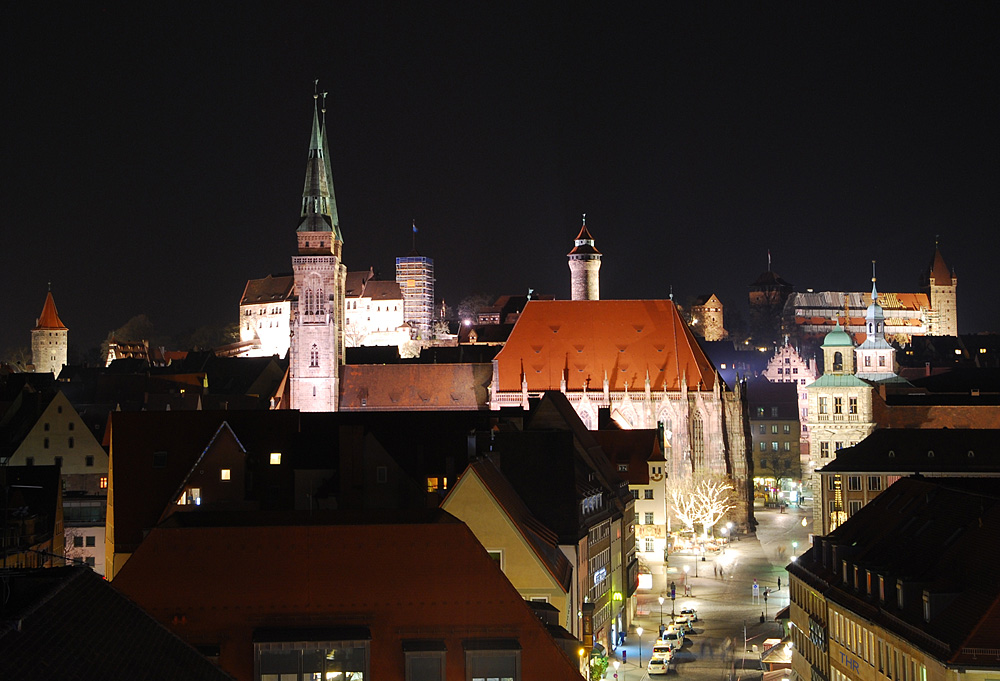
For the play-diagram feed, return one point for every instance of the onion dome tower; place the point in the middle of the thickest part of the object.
(876, 357)
(584, 266)
(49, 340)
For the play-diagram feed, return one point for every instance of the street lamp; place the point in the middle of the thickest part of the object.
(660, 599)
(638, 631)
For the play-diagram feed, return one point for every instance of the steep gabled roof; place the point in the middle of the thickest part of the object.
(542, 540)
(584, 340)
(270, 289)
(67, 622)
(49, 319)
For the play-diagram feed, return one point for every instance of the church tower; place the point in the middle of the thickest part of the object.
(49, 340)
(876, 359)
(584, 266)
(316, 351)
(940, 284)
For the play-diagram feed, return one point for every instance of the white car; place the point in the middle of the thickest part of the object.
(673, 638)
(657, 665)
(662, 651)
(684, 622)
(691, 613)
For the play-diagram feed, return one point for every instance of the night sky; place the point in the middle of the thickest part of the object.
(154, 157)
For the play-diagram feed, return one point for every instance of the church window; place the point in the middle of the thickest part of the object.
(838, 361)
(314, 356)
(698, 441)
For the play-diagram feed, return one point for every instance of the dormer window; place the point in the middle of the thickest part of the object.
(899, 594)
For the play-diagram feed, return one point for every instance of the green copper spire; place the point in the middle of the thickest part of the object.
(317, 194)
(329, 175)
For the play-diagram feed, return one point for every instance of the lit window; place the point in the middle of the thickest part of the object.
(226, 474)
(275, 458)
(104, 482)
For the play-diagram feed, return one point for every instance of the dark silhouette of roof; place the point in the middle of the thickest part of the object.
(922, 450)
(68, 623)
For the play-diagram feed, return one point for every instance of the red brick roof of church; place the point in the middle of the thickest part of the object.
(49, 319)
(587, 338)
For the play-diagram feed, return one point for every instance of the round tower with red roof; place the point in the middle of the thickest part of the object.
(49, 340)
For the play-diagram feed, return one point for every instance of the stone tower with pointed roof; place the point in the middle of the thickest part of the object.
(584, 266)
(316, 350)
(49, 340)
(940, 284)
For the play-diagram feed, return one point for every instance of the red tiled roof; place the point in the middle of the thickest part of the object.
(586, 339)
(331, 568)
(391, 387)
(49, 319)
(939, 270)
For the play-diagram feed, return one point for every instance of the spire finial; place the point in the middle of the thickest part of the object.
(322, 106)
(874, 291)
(585, 218)
(671, 292)
(50, 287)
(316, 88)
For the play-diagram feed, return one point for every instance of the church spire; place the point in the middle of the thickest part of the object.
(318, 205)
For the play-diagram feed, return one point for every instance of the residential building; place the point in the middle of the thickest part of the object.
(905, 589)
(526, 551)
(862, 472)
(774, 428)
(67, 622)
(328, 597)
(59, 437)
(788, 366)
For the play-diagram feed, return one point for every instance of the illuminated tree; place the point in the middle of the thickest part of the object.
(704, 503)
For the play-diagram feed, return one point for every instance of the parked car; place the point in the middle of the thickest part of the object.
(674, 638)
(662, 651)
(690, 612)
(657, 665)
(684, 623)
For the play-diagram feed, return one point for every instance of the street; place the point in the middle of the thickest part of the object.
(729, 615)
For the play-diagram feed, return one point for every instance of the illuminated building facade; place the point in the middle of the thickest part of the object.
(316, 349)
(49, 340)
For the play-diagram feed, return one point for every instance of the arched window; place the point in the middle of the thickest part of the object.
(838, 361)
(314, 356)
(307, 302)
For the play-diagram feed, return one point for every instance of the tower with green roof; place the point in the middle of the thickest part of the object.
(316, 350)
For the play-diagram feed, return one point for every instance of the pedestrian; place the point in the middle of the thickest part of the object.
(722, 572)
(779, 583)
(715, 570)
